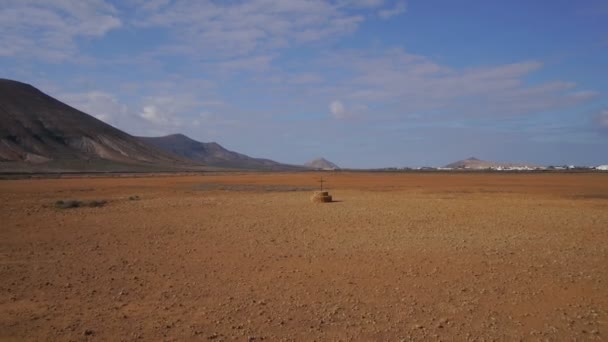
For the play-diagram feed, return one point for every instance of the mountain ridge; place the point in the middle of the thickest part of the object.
(36, 128)
(212, 153)
(41, 133)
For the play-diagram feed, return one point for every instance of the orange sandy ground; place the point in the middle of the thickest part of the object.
(397, 257)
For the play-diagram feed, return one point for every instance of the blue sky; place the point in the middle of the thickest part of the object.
(364, 83)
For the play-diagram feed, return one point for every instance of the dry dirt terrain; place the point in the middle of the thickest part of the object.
(461, 256)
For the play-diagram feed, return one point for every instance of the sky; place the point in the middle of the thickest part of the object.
(363, 83)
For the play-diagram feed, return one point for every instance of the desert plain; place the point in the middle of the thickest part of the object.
(248, 257)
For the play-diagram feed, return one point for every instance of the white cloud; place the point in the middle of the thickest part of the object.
(204, 30)
(149, 5)
(364, 3)
(305, 78)
(154, 114)
(240, 28)
(337, 110)
(173, 111)
(269, 84)
(101, 105)
(167, 111)
(602, 119)
(249, 64)
(584, 95)
(387, 13)
(49, 29)
(409, 83)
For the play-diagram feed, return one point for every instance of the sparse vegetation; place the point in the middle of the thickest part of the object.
(431, 256)
(70, 204)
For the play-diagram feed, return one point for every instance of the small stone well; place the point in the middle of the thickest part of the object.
(321, 197)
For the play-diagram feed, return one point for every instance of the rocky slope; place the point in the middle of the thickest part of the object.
(36, 129)
(212, 153)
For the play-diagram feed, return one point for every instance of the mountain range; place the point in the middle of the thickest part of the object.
(38, 129)
(212, 153)
(41, 133)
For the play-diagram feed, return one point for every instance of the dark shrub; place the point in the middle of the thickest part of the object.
(69, 204)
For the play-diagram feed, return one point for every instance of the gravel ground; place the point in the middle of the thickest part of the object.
(396, 257)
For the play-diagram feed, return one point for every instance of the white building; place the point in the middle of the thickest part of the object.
(602, 167)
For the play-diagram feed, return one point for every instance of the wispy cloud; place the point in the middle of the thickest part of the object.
(412, 83)
(242, 70)
(102, 105)
(259, 63)
(159, 107)
(601, 119)
(243, 27)
(49, 29)
(400, 8)
(362, 3)
(338, 110)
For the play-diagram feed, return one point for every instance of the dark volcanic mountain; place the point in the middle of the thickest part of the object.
(212, 154)
(36, 128)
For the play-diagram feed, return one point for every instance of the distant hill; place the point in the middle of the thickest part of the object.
(212, 154)
(477, 164)
(322, 164)
(38, 129)
(471, 163)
